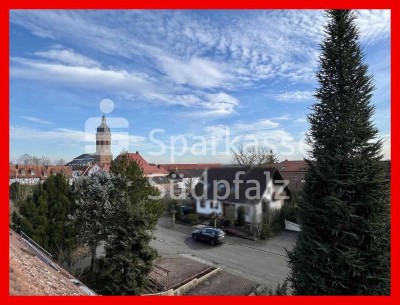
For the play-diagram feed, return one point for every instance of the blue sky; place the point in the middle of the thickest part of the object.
(192, 74)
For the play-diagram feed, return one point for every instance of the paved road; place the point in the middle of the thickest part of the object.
(254, 264)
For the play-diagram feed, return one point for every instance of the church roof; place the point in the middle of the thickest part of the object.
(81, 161)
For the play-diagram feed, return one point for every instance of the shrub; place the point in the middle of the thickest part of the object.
(179, 212)
(265, 231)
(282, 289)
(192, 219)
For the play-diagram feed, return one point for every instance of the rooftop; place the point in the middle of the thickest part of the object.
(188, 166)
(30, 275)
(38, 171)
(148, 169)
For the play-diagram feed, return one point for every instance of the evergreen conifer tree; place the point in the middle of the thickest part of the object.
(344, 246)
(129, 257)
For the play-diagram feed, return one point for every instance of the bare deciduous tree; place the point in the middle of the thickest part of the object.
(253, 155)
(60, 162)
(189, 184)
(43, 161)
(27, 159)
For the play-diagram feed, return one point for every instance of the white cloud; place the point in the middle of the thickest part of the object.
(25, 133)
(82, 76)
(36, 120)
(282, 118)
(65, 136)
(68, 57)
(128, 84)
(216, 105)
(374, 25)
(259, 125)
(301, 120)
(262, 132)
(252, 45)
(293, 96)
(197, 72)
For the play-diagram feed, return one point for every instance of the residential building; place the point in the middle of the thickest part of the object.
(33, 174)
(260, 191)
(294, 171)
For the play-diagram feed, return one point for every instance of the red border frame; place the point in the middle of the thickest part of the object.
(7, 5)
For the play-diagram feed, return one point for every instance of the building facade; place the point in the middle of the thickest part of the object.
(103, 153)
(88, 164)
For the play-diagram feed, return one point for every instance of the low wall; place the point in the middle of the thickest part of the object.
(186, 287)
(291, 226)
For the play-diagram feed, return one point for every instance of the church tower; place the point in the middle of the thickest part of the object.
(103, 143)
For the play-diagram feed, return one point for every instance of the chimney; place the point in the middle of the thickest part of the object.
(137, 152)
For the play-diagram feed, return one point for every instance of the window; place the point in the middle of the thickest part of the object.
(22, 172)
(202, 204)
(32, 172)
(211, 205)
(216, 205)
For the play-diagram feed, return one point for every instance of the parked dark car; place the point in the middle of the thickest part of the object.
(187, 210)
(211, 235)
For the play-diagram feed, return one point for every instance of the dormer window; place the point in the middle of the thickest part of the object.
(23, 172)
(32, 172)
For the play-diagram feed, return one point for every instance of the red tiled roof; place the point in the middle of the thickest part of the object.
(188, 166)
(292, 166)
(37, 171)
(148, 169)
(29, 275)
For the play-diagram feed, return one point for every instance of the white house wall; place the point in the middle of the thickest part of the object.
(207, 210)
(250, 209)
(25, 180)
(277, 204)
